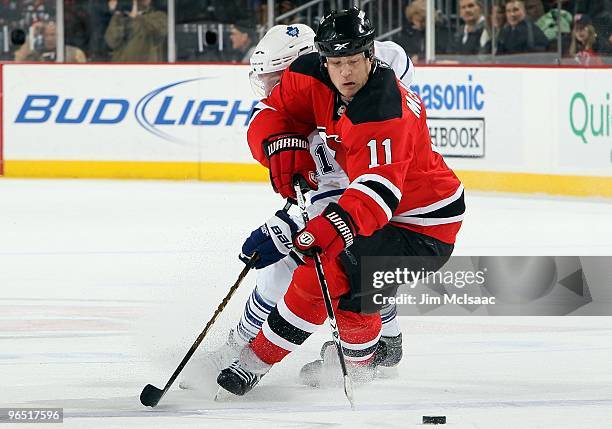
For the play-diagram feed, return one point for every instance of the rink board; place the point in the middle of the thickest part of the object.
(545, 130)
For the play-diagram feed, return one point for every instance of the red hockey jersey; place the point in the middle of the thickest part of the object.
(380, 139)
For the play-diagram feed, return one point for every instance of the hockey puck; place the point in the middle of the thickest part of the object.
(434, 420)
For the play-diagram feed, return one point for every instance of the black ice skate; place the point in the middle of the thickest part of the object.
(389, 351)
(326, 372)
(238, 380)
(388, 356)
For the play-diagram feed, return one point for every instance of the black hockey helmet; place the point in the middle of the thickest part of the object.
(345, 32)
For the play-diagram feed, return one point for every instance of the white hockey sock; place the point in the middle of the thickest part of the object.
(255, 313)
(390, 324)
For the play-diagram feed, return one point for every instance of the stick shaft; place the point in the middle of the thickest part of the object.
(331, 315)
(212, 320)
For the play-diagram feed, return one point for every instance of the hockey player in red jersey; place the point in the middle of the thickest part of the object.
(402, 199)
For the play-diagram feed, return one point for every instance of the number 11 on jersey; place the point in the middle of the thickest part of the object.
(372, 144)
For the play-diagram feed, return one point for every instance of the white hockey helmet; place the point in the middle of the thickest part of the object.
(278, 48)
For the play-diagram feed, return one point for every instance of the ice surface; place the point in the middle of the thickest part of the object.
(104, 285)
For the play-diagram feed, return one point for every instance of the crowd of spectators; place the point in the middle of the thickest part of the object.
(138, 34)
(512, 27)
(216, 30)
(113, 30)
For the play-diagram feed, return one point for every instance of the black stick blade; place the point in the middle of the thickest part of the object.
(150, 395)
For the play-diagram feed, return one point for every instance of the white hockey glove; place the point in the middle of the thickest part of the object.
(272, 240)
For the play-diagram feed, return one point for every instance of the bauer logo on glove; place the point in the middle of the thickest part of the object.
(280, 238)
(271, 240)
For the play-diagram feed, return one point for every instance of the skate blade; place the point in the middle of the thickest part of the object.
(222, 395)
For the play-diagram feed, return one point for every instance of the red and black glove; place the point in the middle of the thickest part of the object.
(289, 156)
(329, 233)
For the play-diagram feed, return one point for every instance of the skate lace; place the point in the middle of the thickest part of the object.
(247, 376)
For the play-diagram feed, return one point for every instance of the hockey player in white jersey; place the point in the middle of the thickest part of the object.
(280, 46)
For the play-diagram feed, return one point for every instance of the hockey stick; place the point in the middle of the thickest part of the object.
(151, 395)
(331, 316)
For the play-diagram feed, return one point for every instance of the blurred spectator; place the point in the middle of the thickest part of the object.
(498, 16)
(211, 11)
(601, 14)
(534, 9)
(412, 36)
(21, 15)
(16, 38)
(495, 22)
(471, 37)
(549, 24)
(9, 16)
(36, 11)
(77, 26)
(9, 13)
(284, 7)
(520, 34)
(138, 34)
(281, 7)
(243, 40)
(101, 13)
(585, 44)
(46, 50)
